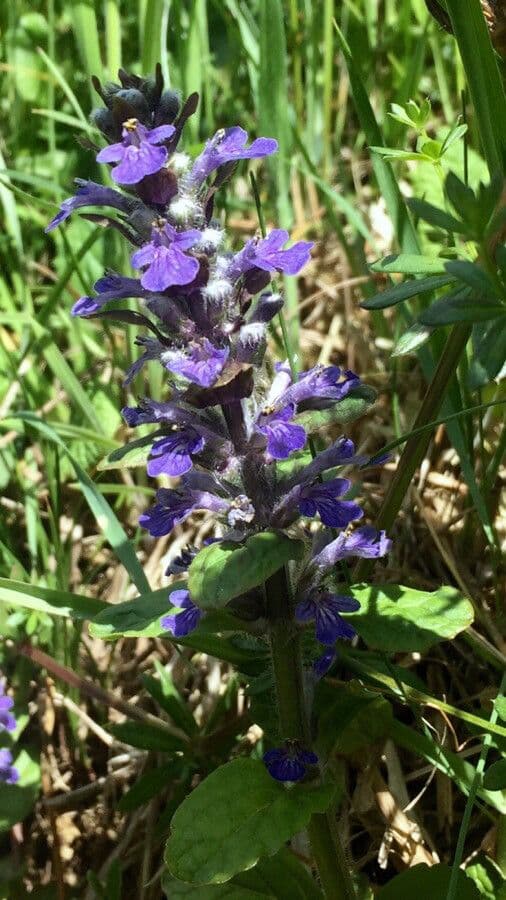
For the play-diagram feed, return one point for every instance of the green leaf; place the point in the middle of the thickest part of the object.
(278, 877)
(500, 705)
(487, 877)
(460, 307)
(414, 337)
(234, 817)
(350, 718)
(178, 890)
(133, 454)
(141, 618)
(397, 618)
(472, 275)
(352, 407)
(494, 778)
(49, 600)
(405, 291)
(427, 881)
(134, 618)
(146, 736)
(410, 264)
(223, 571)
(17, 800)
(435, 216)
(489, 345)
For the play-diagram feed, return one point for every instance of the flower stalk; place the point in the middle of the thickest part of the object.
(286, 657)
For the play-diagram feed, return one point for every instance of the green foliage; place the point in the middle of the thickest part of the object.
(425, 881)
(487, 877)
(212, 838)
(350, 718)
(494, 778)
(278, 877)
(346, 411)
(223, 571)
(396, 618)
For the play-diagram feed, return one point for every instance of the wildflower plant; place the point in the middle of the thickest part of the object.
(236, 435)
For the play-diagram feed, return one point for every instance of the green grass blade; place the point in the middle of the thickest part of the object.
(113, 36)
(387, 183)
(151, 35)
(48, 600)
(105, 517)
(86, 33)
(485, 84)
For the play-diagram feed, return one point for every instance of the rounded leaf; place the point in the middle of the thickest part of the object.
(225, 570)
(495, 776)
(233, 818)
(396, 618)
(428, 881)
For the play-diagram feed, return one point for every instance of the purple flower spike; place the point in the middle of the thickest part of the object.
(322, 498)
(283, 437)
(323, 664)
(89, 194)
(228, 146)
(289, 762)
(110, 287)
(182, 623)
(322, 383)
(365, 542)
(7, 720)
(267, 254)
(166, 263)
(137, 154)
(8, 773)
(325, 610)
(173, 507)
(172, 453)
(201, 363)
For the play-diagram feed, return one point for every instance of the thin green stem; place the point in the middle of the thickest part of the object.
(416, 446)
(466, 818)
(286, 655)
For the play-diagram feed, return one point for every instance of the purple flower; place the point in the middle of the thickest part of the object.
(89, 194)
(322, 383)
(201, 362)
(166, 263)
(137, 154)
(7, 720)
(173, 507)
(110, 287)
(325, 608)
(181, 623)
(365, 542)
(283, 437)
(267, 254)
(8, 773)
(172, 453)
(228, 146)
(289, 762)
(324, 663)
(323, 498)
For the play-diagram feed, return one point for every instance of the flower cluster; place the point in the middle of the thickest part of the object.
(231, 429)
(8, 773)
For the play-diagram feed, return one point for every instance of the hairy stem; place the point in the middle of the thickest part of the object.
(293, 724)
(416, 446)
